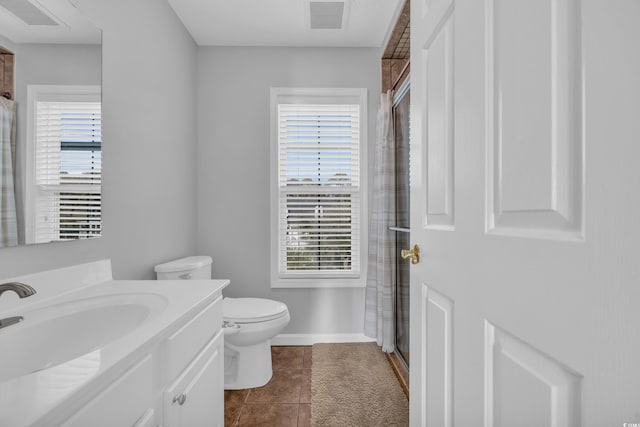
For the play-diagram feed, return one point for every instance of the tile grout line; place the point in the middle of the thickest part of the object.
(236, 423)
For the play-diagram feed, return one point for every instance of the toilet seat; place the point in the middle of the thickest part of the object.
(252, 310)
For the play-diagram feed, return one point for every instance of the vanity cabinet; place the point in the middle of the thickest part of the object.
(179, 382)
(113, 353)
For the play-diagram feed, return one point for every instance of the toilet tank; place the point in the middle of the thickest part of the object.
(193, 267)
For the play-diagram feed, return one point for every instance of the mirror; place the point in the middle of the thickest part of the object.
(50, 123)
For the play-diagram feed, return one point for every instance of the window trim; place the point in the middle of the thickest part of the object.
(317, 96)
(37, 93)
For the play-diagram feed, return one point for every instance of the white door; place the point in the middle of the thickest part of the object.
(525, 200)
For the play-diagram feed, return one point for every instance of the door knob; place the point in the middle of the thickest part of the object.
(413, 253)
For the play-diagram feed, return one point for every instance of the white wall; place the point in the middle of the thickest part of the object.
(233, 168)
(149, 133)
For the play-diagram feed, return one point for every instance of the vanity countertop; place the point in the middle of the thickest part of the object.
(36, 397)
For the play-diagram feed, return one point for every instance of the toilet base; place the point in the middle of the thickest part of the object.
(247, 366)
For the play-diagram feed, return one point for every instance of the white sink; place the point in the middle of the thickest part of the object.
(57, 333)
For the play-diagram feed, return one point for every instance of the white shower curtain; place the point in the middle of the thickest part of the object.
(8, 217)
(380, 292)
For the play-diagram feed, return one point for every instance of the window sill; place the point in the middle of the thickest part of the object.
(293, 283)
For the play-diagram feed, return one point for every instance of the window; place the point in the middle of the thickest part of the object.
(318, 187)
(64, 163)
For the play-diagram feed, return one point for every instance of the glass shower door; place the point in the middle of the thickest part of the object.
(403, 237)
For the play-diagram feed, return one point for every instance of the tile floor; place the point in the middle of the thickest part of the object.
(284, 401)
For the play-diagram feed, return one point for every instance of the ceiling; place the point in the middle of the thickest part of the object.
(366, 23)
(45, 21)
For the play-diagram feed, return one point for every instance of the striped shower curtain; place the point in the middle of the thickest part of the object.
(380, 293)
(8, 217)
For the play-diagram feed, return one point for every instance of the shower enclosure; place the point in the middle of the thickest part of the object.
(401, 124)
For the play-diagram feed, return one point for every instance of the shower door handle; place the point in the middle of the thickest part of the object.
(413, 253)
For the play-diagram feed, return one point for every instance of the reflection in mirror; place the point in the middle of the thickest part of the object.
(50, 123)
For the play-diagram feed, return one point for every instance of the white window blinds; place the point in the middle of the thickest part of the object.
(68, 170)
(319, 189)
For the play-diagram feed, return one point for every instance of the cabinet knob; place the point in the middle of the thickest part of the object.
(181, 398)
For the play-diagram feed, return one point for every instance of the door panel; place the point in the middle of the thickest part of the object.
(438, 94)
(534, 118)
(439, 357)
(526, 387)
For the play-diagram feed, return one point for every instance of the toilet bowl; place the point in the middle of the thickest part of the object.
(248, 325)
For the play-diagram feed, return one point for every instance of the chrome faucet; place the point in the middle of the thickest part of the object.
(21, 289)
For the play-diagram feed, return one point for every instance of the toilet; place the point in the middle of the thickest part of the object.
(248, 325)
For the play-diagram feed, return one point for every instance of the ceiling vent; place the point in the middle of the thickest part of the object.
(326, 15)
(27, 12)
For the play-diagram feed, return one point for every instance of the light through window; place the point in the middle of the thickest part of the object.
(67, 166)
(319, 185)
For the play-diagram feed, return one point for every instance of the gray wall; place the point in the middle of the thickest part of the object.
(149, 70)
(153, 74)
(233, 168)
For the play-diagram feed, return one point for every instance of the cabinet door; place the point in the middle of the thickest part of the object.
(124, 403)
(196, 398)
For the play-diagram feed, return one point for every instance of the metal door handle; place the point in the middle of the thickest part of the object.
(413, 253)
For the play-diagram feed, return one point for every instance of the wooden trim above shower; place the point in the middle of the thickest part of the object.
(395, 58)
(7, 60)
(394, 72)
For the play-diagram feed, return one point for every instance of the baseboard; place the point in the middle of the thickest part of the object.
(310, 339)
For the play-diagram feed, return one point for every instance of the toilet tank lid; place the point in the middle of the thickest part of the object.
(182, 264)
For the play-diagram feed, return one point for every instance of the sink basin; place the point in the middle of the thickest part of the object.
(58, 333)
